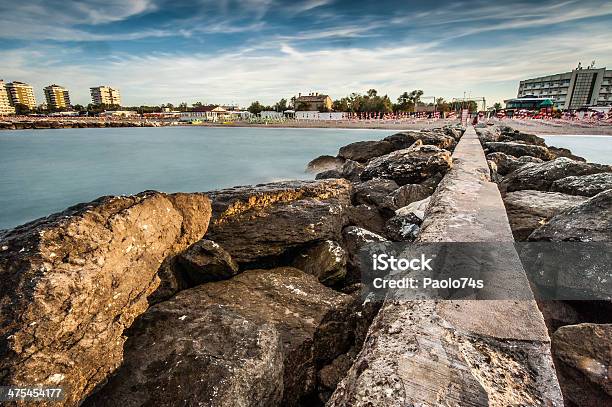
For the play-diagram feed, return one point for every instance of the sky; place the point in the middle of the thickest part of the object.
(238, 51)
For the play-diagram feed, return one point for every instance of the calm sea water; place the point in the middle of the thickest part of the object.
(45, 171)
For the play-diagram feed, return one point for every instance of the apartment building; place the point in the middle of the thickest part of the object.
(105, 95)
(57, 97)
(5, 102)
(313, 102)
(582, 87)
(21, 93)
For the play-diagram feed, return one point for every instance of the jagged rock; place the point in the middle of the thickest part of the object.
(541, 176)
(203, 262)
(373, 192)
(583, 356)
(329, 174)
(591, 221)
(417, 208)
(454, 132)
(409, 166)
(403, 227)
(405, 195)
(362, 151)
(350, 170)
(506, 163)
(564, 152)
(367, 217)
(355, 239)
(324, 163)
(255, 222)
(522, 137)
(528, 210)
(406, 139)
(188, 350)
(72, 282)
(315, 325)
(325, 260)
(518, 149)
(487, 135)
(586, 185)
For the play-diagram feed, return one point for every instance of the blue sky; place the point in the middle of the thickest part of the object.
(226, 51)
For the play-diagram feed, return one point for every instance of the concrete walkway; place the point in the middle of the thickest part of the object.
(459, 353)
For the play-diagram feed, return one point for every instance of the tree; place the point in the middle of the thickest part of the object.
(79, 108)
(182, 107)
(197, 104)
(442, 105)
(281, 105)
(415, 97)
(497, 106)
(21, 109)
(404, 103)
(256, 107)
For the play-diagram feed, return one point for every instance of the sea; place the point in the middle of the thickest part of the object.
(46, 171)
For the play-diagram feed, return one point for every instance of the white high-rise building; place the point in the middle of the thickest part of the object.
(5, 102)
(105, 95)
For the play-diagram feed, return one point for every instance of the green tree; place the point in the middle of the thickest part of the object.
(281, 105)
(20, 108)
(497, 106)
(256, 107)
(415, 98)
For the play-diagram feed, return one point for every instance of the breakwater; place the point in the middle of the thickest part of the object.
(251, 295)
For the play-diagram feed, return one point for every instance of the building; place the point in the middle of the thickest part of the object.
(57, 97)
(5, 101)
(313, 101)
(207, 113)
(105, 95)
(582, 87)
(21, 93)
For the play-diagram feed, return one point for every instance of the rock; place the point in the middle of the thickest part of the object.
(350, 170)
(373, 192)
(590, 221)
(522, 137)
(417, 208)
(355, 239)
(362, 151)
(329, 174)
(406, 139)
(564, 152)
(324, 163)
(541, 176)
(315, 325)
(486, 135)
(586, 185)
(407, 194)
(203, 262)
(367, 217)
(518, 149)
(528, 210)
(506, 163)
(409, 166)
(403, 228)
(583, 356)
(72, 282)
(188, 349)
(253, 223)
(454, 132)
(325, 260)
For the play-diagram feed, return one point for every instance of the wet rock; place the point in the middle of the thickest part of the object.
(403, 228)
(506, 163)
(522, 137)
(541, 176)
(564, 152)
(355, 239)
(367, 217)
(405, 195)
(528, 210)
(72, 282)
(518, 149)
(350, 170)
(409, 166)
(362, 151)
(586, 185)
(583, 356)
(325, 260)
(324, 163)
(406, 139)
(374, 191)
(329, 174)
(590, 221)
(205, 261)
(253, 223)
(189, 350)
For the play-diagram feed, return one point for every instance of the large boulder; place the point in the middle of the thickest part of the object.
(407, 194)
(403, 228)
(409, 166)
(583, 356)
(506, 163)
(590, 221)
(325, 260)
(587, 185)
(72, 283)
(350, 170)
(356, 239)
(362, 151)
(408, 138)
(253, 223)
(526, 138)
(367, 217)
(518, 149)
(324, 163)
(541, 176)
(528, 210)
(373, 192)
(564, 152)
(203, 262)
(315, 324)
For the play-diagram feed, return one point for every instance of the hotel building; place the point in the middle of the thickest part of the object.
(5, 103)
(57, 97)
(582, 87)
(105, 95)
(21, 93)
